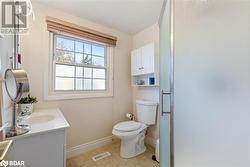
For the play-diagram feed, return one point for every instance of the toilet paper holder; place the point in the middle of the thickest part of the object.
(130, 116)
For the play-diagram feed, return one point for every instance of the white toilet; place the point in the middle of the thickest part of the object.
(132, 133)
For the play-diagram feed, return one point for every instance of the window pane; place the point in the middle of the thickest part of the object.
(98, 61)
(98, 50)
(79, 72)
(64, 83)
(76, 64)
(87, 59)
(79, 84)
(79, 47)
(87, 72)
(64, 57)
(98, 84)
(79, 58)
(64, 44)
(98, 73)
(87, 84)
(87, 48)
(65, 71)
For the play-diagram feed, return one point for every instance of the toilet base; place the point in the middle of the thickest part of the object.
(133, 147)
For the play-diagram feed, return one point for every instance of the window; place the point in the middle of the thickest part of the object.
(80, 68)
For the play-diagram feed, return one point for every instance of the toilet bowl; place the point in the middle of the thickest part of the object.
(132, 133)
(132, 136)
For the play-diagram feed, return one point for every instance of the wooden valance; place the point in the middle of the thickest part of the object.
(57, 26)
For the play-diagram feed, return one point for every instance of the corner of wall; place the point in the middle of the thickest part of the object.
(148, 93)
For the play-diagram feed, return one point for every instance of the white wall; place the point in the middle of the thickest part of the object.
(147, 93)
(90, 119)
(6, 51)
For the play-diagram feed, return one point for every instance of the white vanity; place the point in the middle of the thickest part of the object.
(44, 144)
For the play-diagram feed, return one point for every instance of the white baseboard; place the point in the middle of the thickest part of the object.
(77, 150)
(150, 141)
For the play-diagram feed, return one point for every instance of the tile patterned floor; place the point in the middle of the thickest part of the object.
(85, 160)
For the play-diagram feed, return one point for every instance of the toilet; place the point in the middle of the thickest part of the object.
(132, 133)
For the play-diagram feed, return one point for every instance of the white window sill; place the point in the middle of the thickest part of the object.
(71, 96)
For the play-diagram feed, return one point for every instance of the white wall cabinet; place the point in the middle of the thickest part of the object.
(142, 60)
(144, 65)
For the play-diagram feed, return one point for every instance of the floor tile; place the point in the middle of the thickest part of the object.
(85, 160)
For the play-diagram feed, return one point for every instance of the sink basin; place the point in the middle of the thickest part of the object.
(4, 148)
(39, 119)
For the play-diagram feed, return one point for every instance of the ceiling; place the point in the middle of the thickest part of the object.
(129, 16)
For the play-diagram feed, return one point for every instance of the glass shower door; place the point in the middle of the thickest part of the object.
(212, 83)
(166, 88)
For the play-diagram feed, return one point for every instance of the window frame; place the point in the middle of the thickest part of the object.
(52, 94)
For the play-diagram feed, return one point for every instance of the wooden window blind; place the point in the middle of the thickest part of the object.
(60, 26)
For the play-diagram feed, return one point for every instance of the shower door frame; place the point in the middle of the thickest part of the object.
(170, 93)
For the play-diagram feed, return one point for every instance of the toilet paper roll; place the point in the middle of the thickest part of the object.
(129, 116)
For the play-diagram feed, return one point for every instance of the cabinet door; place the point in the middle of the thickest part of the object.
(40, 150)
(147, 59)
(136, 62)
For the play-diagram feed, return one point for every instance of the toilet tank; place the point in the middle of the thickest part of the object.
(146, 111)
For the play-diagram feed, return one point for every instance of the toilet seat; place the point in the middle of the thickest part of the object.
(129, 133)
(127, 126)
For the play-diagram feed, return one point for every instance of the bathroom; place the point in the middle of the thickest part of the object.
(125, 83)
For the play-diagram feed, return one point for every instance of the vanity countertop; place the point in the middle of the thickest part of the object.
(44, 121)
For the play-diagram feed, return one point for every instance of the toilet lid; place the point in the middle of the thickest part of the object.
(127, 126)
